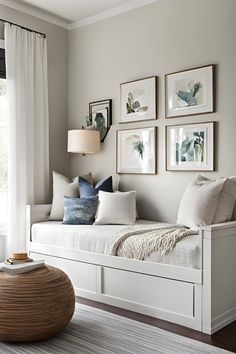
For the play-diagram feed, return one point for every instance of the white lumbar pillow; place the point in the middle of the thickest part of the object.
(63, 186)
(226, 202)
(199, 203)
(116, 208)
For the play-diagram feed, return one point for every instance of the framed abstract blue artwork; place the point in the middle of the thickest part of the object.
(190, 147)
(136, 151)
(189, 92)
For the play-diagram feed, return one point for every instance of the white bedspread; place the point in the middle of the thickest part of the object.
(93, 238)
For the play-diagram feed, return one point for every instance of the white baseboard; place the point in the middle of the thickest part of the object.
(221, 321)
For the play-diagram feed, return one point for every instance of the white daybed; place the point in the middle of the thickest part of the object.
(195, 286)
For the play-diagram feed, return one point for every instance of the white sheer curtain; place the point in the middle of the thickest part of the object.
(28, 173)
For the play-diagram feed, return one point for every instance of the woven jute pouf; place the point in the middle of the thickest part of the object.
(35, 305)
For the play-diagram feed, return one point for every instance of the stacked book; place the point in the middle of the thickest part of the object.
(20, 263)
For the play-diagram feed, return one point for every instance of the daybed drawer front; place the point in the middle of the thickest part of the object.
(165, 294)
(82, 275)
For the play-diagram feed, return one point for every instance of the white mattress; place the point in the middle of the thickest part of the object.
(92, 238)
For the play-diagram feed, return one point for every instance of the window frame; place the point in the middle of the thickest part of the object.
(2, 47)
(3, 226)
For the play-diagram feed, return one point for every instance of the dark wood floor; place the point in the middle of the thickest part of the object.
(225, 338)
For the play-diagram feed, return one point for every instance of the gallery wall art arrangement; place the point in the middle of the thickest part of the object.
(188, 147)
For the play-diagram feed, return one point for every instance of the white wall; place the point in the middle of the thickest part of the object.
(57, 43)
(154, 40)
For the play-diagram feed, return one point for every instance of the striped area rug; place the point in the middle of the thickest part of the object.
(94, 331)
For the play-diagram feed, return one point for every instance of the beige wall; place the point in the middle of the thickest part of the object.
(166, 36)
(57, 43)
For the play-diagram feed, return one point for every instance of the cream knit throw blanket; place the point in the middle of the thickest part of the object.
(139, 241)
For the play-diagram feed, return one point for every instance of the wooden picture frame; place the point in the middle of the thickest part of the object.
(190, 147)
(190, 92)
(138, 100)
(136, 151)
(100, 117)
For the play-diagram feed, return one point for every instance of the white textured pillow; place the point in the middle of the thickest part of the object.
(137, 213)
(233, 178)
(116, 208)
(226, 202)
(199, 203)
(63, 186)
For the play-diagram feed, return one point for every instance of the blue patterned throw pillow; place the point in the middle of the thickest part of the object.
(79, 211)
(88, 190)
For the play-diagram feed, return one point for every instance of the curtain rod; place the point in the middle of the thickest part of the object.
(25, 28)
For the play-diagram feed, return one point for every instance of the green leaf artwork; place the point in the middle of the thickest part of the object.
(100, 124)
(191, 149)
(190, 97)
(139, 147)
(133, 106)
(88, 120)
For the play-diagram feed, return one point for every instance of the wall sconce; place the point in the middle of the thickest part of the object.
(83, 141)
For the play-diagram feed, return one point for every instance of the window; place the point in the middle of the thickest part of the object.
(3, 142)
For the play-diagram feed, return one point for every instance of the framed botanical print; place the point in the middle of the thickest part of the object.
(100, 117)
(189, 92)
(138, 100)
(190, 147)
(136, 151)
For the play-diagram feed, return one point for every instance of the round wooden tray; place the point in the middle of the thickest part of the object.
(35, 305)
